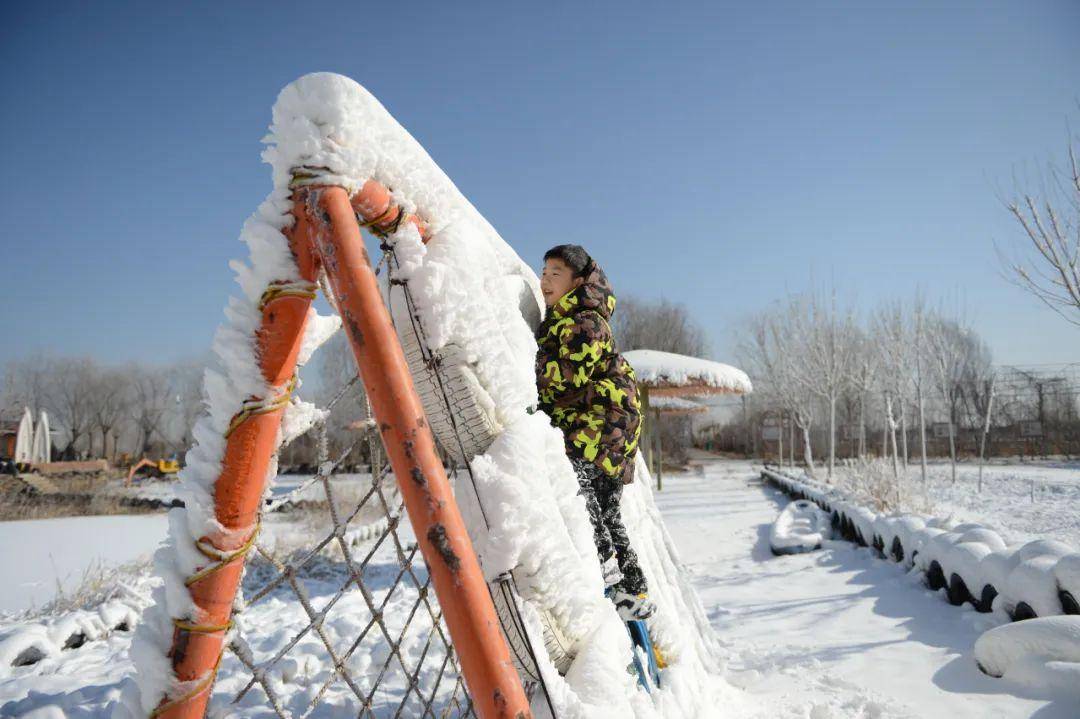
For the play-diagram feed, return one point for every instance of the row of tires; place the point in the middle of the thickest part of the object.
(30, 642)
(971, 562)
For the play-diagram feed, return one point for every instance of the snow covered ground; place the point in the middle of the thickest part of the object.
(835, 633)
(37, 556)
(1006, 500)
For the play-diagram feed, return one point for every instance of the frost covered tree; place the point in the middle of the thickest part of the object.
(894, 341)
(956, 355)
(827, 351)
(769, 351)
(866, 364)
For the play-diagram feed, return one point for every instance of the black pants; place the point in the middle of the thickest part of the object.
(602, 494)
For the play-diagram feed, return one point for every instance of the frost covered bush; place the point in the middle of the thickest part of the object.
(870, 480)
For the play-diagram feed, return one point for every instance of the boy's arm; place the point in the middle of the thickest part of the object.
(583, 340)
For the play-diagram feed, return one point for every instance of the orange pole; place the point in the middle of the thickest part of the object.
(198, 643)
(374, 204)
(470, 616)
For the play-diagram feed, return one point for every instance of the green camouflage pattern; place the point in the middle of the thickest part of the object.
(585, 386)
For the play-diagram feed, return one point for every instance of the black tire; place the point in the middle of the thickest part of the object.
(1022, 612)
(897, 550)
(935, 576)
(957, 591)
(1069, 605)
(986, 599)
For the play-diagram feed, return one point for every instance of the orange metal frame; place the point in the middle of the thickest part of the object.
(326, 233)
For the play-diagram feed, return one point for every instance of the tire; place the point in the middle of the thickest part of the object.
(1022, 612)
(935, 577)
(1068, 602)
(467, 426)
(505, 596)
(985, 604)
(897, 550)
(957, 591)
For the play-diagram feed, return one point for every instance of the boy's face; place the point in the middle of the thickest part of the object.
(556, 280)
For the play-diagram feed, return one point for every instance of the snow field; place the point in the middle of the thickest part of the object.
(973, 565)
(1005, 501)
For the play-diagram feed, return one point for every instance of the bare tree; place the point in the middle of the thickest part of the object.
(919, 346)
(150, 396)
(658, 325)
(1050, 270)
(827, 356)
(109, 405)
(70, 399)
(26, 383)
(185, 380)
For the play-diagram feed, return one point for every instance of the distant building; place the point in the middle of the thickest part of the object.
(9, 432)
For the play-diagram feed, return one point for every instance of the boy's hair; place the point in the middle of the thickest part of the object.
(573, 256)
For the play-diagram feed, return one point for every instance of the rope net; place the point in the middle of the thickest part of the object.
(338, 617)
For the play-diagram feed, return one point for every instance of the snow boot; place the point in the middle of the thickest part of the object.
(632, 607)
(611, 572)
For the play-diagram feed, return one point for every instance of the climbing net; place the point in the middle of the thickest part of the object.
(338, 616)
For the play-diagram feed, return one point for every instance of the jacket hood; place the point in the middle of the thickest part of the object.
(595, 293)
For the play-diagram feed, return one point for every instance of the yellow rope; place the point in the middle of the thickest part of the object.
(258, 405)
(220, 557)
(202, 628)
(205, 683)
(277, 290)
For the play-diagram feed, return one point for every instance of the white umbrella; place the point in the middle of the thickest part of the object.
(41, 452)
(25, 437)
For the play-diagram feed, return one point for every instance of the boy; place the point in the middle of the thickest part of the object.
(588, 390)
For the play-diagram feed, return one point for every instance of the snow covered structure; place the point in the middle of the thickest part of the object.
(468, 300)
(1041, 653)
(800, 527)
(683, 376)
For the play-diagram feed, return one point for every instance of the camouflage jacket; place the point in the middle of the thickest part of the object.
(585, 385)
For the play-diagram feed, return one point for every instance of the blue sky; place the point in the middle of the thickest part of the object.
(713, 154)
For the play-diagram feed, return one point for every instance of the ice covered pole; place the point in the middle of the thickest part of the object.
(489, 673)
(251, 441)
